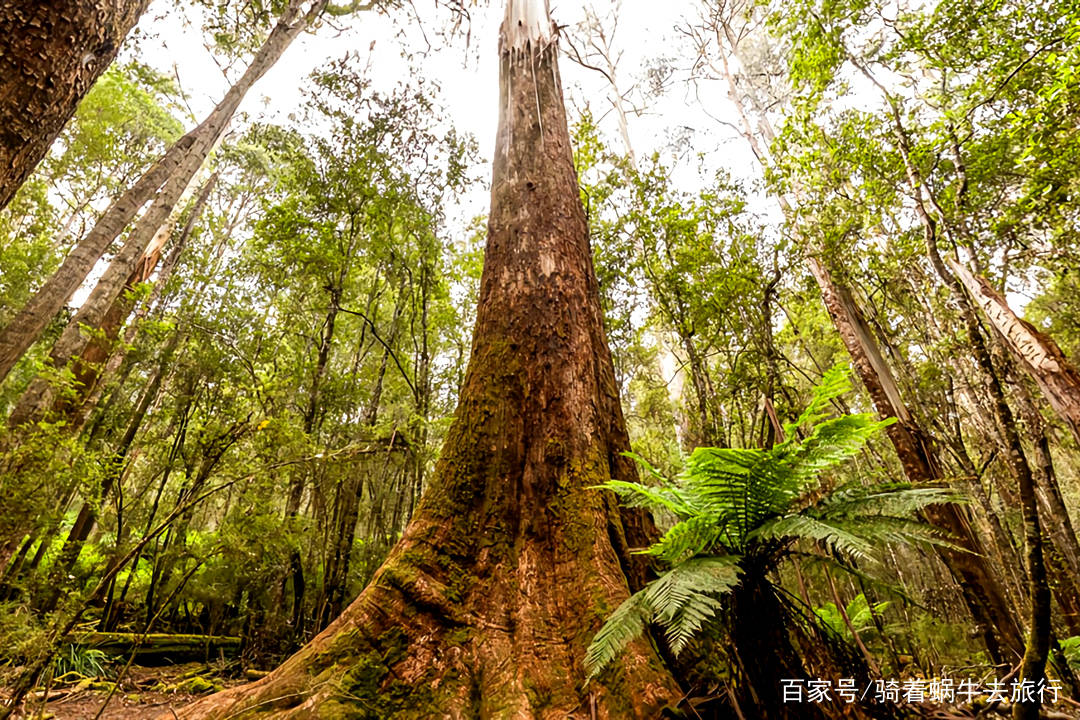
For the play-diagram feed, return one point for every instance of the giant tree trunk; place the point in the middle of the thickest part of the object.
(511, 562)
(25, 328)
(51, 52)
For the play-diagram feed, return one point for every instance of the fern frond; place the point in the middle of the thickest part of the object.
(894, 499)
(833, 384)
(742, 486)
(861, 613)
(625, 624)
(660, 497)
(685, 598)
(831, 443)
(687, 538)
(804, 527)
(897, 531)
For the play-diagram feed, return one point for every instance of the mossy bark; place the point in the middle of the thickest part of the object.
(512, 562)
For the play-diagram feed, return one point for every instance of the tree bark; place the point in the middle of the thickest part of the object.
(25, 328)
(511, 562)
(103, 357)
(52, 52)
(980, 585)
(1037, 352)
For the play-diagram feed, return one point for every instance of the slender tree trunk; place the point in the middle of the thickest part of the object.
(26, 327)
(176, 538)
(347, 505)
(1037, 352)
(982, 590)
(87, 517)
(103, 357)
(52, 52)
(143, 244)
(296, 489)
(708, 431)
(1063, 555)
(511, 562)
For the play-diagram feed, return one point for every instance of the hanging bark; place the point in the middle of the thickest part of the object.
(52, 52)
(511, 563)
(1040, 356)
(26, 327)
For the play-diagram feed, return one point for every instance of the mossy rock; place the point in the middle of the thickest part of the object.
(197, 685)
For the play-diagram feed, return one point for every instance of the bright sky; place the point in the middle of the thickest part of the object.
(464, 67)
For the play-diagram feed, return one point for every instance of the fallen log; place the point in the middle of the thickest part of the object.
(164, 645)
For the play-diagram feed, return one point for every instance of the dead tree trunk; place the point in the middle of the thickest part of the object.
(25, 328)
(52, 52)
(511, 563)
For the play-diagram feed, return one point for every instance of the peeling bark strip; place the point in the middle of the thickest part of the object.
(511, 563)
(25, 328)
(1040, 355)
(51, 52)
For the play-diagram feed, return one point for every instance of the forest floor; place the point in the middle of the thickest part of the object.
(145, 692)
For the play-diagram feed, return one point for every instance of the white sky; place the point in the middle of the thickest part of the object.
(465, 71)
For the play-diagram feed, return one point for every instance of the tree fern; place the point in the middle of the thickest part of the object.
(746, 508)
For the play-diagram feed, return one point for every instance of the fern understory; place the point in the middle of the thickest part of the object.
(739, 516)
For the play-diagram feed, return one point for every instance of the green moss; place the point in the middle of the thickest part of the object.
(395, 645)
(539, 696)
(363, 688)
(459, 637)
